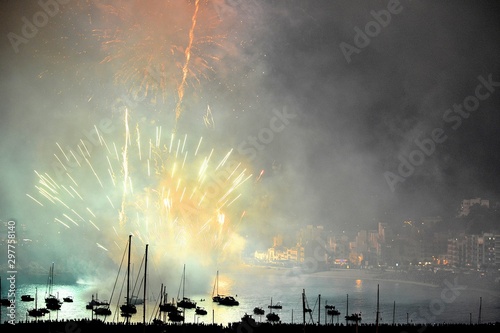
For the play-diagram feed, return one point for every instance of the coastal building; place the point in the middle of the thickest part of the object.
(428, 240)
(468, 203)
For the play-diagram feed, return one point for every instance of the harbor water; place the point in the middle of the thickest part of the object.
(400, 302)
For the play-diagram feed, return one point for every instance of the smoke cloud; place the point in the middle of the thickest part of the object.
(328, 106)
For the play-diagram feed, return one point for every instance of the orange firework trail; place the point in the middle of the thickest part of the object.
(157, 49)
(182, 85)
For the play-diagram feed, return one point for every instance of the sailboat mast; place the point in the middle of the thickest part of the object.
(303, 307)
(319, 307)
(376, 321)
(480, 305)
(347, 305)
(128, 268)
(394, 313)
(183, 280)
(145, 270)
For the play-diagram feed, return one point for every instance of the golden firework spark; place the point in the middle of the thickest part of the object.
(171, 191)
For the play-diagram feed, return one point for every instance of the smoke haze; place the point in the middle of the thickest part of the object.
(268, 79)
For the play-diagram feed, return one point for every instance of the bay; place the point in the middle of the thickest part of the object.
(400, 302)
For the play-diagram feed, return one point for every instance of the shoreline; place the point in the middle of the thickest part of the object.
(423, 278)
(374, 277)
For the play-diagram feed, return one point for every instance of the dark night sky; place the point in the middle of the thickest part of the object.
(350, 120)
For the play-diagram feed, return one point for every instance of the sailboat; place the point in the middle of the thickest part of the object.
(128, 308)
(272, 316)
(175, 316)
(355, 317)
(51, 301)
(229, 301)
(95, 302)
(331, 310)
(258, 311)
(185, 302)
(102, 310)
(36, 312)
(166, 306)
(222, 299)
(216, 297)
(275, 306)
(99, 308)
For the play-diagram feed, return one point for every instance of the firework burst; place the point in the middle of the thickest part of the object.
(170, 191)
(158, 47)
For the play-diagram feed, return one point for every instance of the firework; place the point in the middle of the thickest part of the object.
(158, 47)
(173, 192)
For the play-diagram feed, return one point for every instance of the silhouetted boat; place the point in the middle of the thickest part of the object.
(216, 297)
(248, 319)
(45, 310)
(165, 306)
(68, 299)
(95, 302)
(200, 311)
(27, 298)
(275, 306)
(258, 311)
(185, 302)
(272, 316)
(222, 299)
(175, 315)
(128, 308)
(229, 301)
(52, 302)
(355, 317)
(102, 310)
(36, 312)
(331, 310)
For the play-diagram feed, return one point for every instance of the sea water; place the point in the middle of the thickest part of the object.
(398, 302)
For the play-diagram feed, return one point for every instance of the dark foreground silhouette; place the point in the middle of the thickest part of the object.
(83, 326)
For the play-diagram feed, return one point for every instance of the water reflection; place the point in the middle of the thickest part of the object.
(399, 302)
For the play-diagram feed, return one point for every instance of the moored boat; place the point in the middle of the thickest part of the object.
(272, 317)
(258, 311)
(229, 301)
(200, 311)
(185, 302)
(36, 312)
(128, 309)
